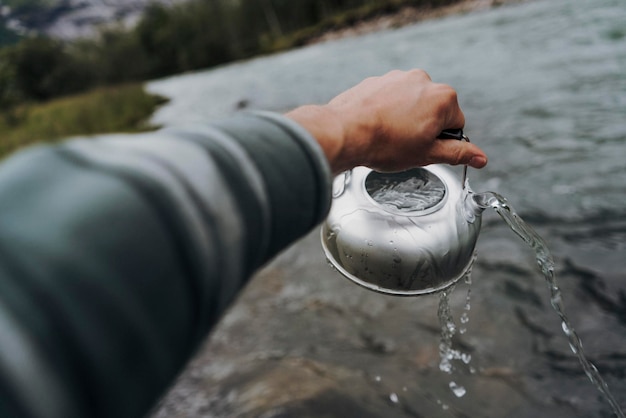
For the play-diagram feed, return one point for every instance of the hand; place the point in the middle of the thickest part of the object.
(390, 123)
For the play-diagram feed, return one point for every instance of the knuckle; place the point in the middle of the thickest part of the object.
(394, 73)
(370, 79)
(451, 158)
(452, 96)
(458, 157)
(432, 127)
(420, 73)
(447, 93)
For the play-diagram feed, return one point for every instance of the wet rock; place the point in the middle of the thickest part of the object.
(296, 387)
(302, 341)
(520, 293)
(377, 344)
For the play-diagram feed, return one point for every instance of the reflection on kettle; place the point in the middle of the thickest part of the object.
(407, 234)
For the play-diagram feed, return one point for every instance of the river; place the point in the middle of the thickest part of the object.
(543, 88)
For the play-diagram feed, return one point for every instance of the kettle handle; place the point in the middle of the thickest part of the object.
(452, 134)
(460, 136)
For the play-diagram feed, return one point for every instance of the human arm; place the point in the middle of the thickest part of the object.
(119, 254)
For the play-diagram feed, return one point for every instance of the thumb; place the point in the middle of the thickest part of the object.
(458, 152)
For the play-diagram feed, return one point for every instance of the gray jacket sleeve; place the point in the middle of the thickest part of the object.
(118, 254)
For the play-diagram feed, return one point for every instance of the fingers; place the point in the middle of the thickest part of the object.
(456, 117)
(445, 102)
(417, 73)
(458, 152)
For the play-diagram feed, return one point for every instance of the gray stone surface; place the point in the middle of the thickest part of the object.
(302, 341)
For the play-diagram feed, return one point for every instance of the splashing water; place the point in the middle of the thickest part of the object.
(458, 390)
(466, 309)
(546, 263)
(448, 329)
(448, 354)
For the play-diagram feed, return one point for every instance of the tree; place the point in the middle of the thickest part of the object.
(7, 36)
(44, 69)
(9, 93)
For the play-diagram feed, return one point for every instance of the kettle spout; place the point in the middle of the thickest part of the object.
(473, 205)
(488, 200)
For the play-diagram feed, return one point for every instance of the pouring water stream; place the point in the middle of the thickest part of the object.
(546, 263)
(375, 212)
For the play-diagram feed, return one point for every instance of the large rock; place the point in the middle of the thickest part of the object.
(302, 341)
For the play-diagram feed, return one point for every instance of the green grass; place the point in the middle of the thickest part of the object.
(105, 110)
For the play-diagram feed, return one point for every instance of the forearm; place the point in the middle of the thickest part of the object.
(118, 255)
(324, 125)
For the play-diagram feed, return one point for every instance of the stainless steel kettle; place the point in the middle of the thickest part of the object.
(407, 233)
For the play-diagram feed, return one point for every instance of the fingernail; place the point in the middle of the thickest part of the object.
(478, 162)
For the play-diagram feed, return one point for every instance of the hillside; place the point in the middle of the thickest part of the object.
(70, 19)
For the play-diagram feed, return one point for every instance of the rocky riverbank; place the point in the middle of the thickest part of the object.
(407, 16)
(304, 342)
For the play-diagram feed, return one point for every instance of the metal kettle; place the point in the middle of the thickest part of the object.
(406, 234)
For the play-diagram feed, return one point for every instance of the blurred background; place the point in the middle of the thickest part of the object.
(57, 48)
(543, 87)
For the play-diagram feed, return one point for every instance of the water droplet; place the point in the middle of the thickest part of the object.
(566, 329)
(378, 378)
(393, 398)
(459, 391)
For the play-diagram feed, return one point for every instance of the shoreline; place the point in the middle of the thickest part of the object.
(407, 15)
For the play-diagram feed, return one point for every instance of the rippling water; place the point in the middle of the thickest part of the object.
(543, 87)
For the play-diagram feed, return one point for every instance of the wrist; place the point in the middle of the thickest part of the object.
(327, 129)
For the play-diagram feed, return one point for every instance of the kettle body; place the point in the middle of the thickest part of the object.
(406, 234)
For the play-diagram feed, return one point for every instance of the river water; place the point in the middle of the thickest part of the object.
(543, 88)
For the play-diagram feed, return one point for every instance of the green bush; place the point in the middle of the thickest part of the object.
(120, 109)
(43, 68)
(7, 36)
